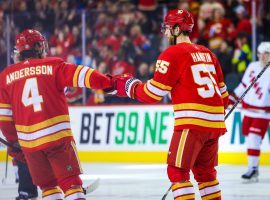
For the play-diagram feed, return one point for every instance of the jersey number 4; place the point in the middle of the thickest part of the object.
(206, 80)
(30, 95)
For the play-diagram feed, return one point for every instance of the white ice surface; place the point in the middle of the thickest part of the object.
(149, 182)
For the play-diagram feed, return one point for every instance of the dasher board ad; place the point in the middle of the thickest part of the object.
(141, 128)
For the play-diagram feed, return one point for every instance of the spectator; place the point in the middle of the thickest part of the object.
(242, 54)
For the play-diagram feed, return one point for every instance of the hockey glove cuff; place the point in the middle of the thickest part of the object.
(233, 99)
(130, 87)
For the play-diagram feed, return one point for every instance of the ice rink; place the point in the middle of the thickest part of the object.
(149, 182)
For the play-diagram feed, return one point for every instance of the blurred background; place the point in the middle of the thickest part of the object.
(124, 36)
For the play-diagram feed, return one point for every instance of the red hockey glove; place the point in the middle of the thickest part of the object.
(232, 99)
(125, 85)
(112, 90)
(16, 152)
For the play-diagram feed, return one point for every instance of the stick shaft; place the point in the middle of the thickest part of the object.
(246, 91)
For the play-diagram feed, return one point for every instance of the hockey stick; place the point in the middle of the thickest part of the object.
(91, 188)
(233, 107)
(8, 144)
(167, 192)
(246, 91)
(87, 190)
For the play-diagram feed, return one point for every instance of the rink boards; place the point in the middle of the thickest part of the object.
(141, 133)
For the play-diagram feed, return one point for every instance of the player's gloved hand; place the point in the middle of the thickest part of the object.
(125, 85)
(232, 99)
(16, 152)
(112, 90)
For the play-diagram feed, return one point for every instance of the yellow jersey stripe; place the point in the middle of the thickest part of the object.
(76, 76)
(150, 94)
(181, 185)
(87, 77)
(212, 196)
(6, 119)
(199, 122)
(181, 148)
(186, 197)
(72, 191)
(221, 84)
(160, 85)
(76, 154)
(51, 191)
(41, 125)
(50, 138)
(207, 184)
(225, 95)
(4, 105)
(197, 106)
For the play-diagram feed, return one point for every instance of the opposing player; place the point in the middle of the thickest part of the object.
(256, 108)
(32, 97)
(193, 76)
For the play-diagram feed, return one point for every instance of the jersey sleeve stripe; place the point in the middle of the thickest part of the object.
(82, 74)
(76, 75)
(87, 77)
(223, 89)
(7, 119)
(3, 105)
(160, 85)
(42, 125)
(225, 95)
(50, 138)
(156, 90)
(199, 122)
(153, 96)
(199, 114)
(221, 84)
(200, 107)
(7, 112)
(41, 133)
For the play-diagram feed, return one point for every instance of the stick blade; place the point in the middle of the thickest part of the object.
(92, 187)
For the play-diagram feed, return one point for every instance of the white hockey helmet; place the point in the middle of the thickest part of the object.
(264, 47)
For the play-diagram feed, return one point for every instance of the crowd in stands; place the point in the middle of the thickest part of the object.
(124, 36)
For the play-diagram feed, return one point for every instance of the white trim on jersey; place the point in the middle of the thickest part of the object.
(44, 132)
(155, 90)
(81, 77)
(199, 114)
(4, 111)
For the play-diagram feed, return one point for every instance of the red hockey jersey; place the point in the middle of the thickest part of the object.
(32, 97)
(193, 76)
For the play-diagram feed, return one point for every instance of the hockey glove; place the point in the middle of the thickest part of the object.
(16, 152)
(112, 90)
(125, 85)
(232, 99)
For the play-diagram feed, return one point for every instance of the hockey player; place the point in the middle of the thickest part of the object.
(32, 97)
(256, 108)
(193, 76)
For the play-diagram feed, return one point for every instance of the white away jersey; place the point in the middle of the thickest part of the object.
(257, 101)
